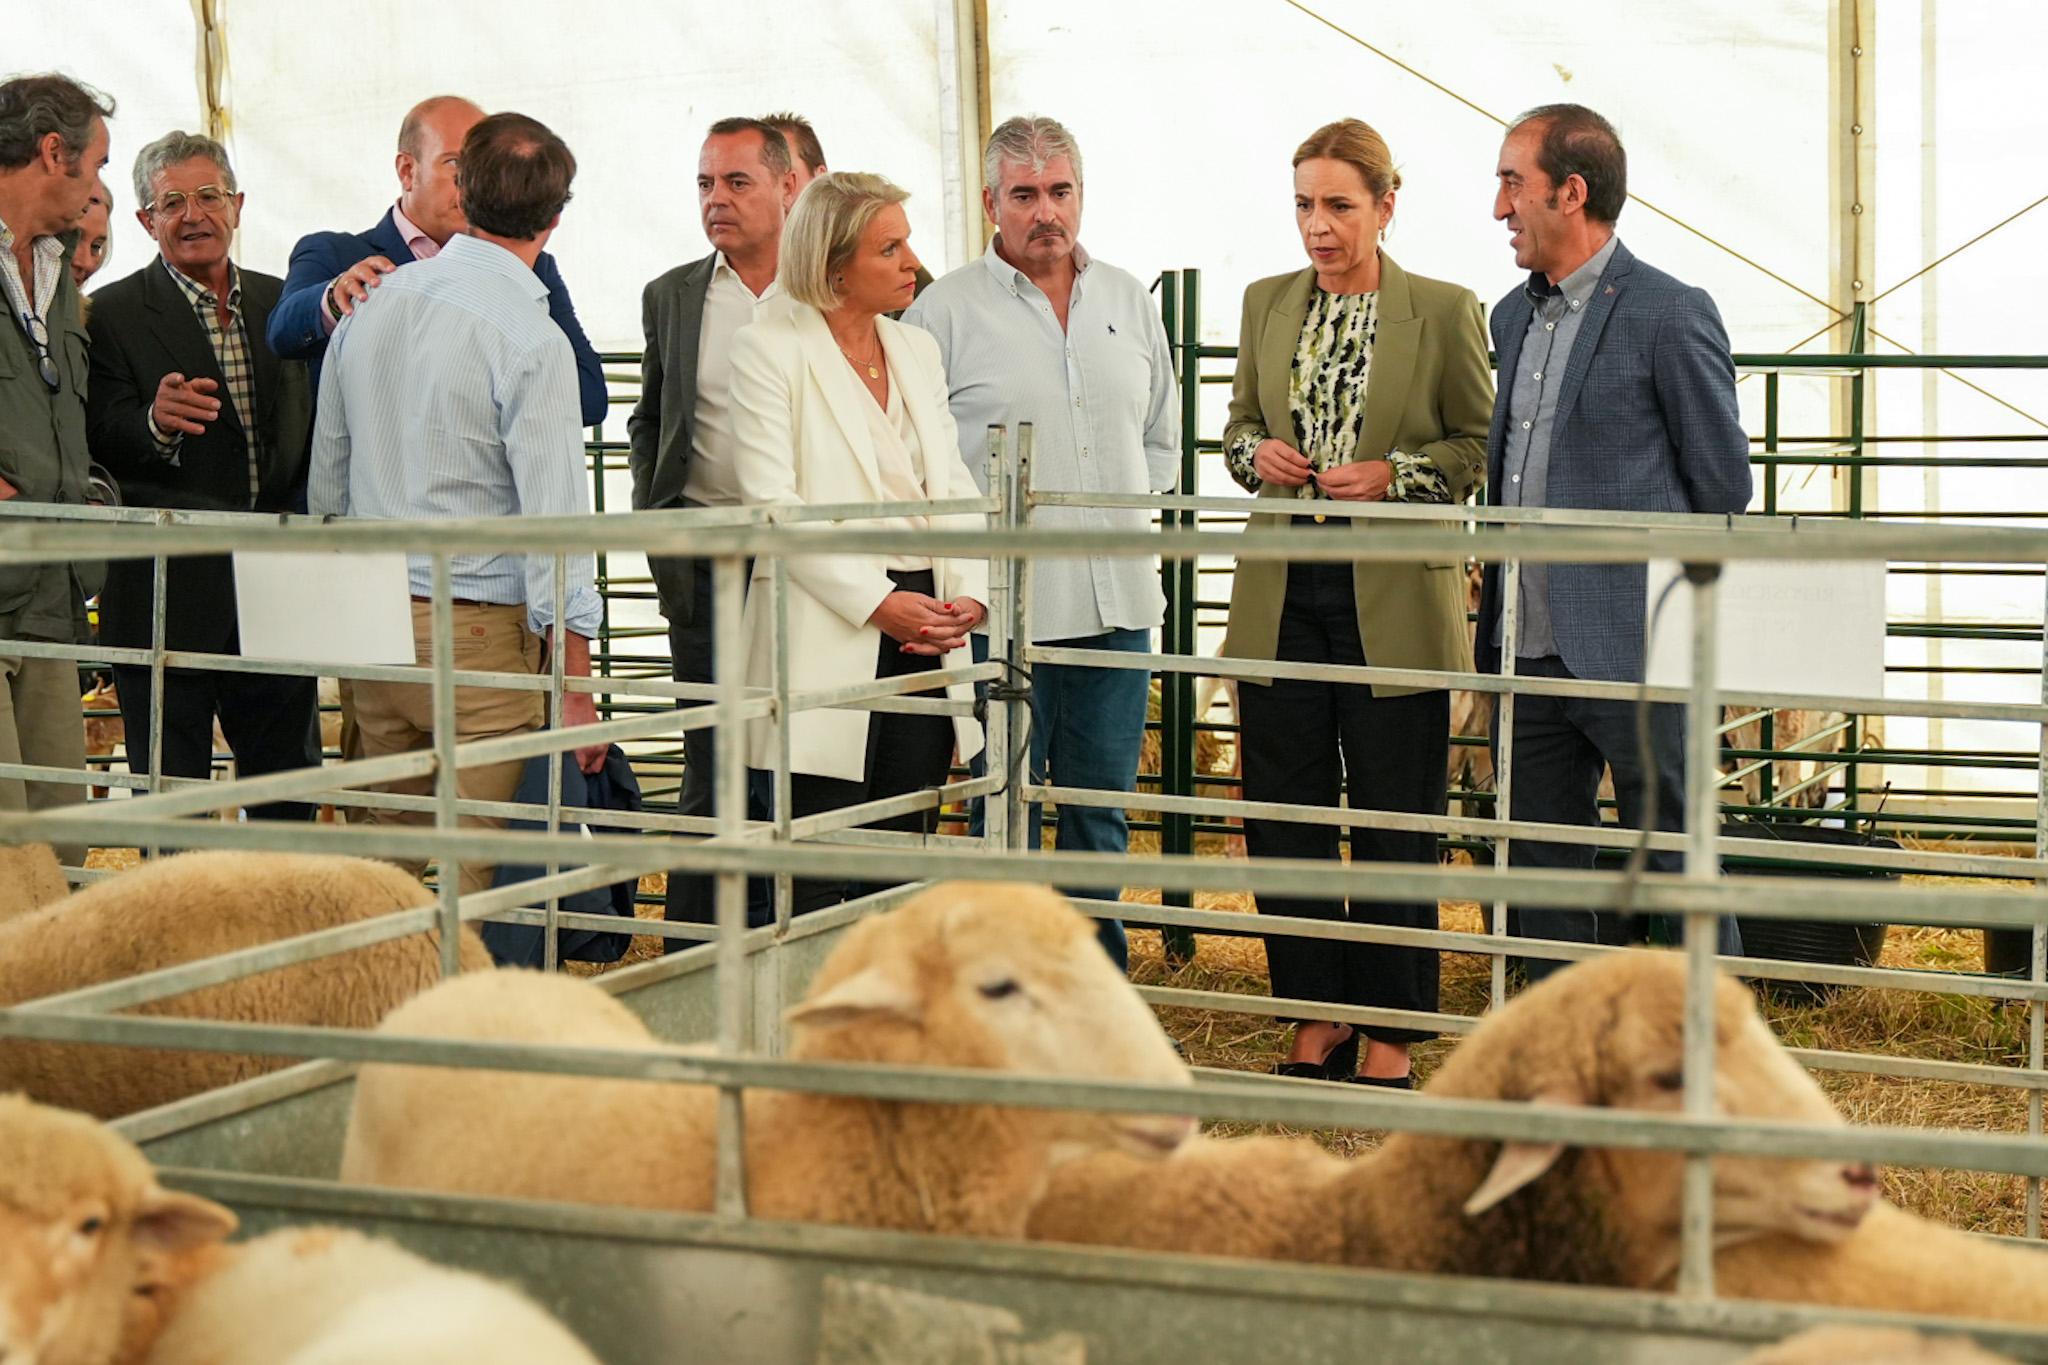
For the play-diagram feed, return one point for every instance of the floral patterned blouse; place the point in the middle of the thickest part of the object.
(1326, 399)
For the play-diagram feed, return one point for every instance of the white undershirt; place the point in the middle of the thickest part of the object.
(899, 460)
(728, 306)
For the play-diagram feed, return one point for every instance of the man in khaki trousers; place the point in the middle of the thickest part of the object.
(485, 424)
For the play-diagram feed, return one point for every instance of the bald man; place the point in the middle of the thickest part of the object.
(331, 271)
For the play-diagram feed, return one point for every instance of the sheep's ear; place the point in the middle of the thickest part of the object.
(866, 994)
(170, 1221)
(1518, 1162)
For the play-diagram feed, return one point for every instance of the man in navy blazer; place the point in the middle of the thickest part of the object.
(1617, 392)
(330, 271)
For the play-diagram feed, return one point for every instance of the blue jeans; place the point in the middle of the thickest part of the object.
(1087, 730)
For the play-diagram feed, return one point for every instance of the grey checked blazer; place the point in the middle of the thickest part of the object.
(1646, 422)
(659, 431)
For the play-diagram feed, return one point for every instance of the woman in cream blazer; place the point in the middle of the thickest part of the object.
(835, 403)
(1356, 381)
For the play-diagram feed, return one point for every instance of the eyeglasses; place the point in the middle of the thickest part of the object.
(39, 337)
(210, 198)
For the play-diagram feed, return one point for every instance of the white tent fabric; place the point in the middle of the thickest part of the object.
(1187, 115)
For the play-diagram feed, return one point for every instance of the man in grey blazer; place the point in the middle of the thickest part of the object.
(1617, 391)
(681, 430)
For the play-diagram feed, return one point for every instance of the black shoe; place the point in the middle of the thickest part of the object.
(1338, 1063)
(1384, 1082)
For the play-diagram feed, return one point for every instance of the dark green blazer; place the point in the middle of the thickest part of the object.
(1429, 392)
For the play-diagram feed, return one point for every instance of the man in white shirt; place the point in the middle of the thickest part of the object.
(450, 393)
(681, 429)
(1036, 331)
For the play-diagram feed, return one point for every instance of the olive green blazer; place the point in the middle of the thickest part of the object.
(1429, 392)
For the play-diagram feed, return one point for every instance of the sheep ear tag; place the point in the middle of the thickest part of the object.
(1518, 1163)
(170, 1221)
(864, 995)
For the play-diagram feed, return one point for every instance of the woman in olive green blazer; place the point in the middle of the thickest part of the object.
(1355, 381)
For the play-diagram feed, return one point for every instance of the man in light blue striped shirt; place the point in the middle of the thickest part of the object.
(1036, 331)
(450, 393)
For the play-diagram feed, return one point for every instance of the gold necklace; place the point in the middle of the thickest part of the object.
(869, 365)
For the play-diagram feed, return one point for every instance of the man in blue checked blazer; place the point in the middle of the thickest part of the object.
(330, 271)
(1616, 392)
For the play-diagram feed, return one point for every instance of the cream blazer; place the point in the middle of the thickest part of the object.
(802, 438)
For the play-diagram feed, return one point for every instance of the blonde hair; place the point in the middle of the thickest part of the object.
(824, 229)
(1359, 145)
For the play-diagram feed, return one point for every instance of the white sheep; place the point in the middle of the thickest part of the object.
(1874, 1346)
(1607, 1033)
(1897, 1263)
(99, 1265)
(990, 976)
(195, 905)
(332, 1296)
(30, 878)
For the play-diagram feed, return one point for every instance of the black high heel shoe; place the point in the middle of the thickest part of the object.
(1340, 1063)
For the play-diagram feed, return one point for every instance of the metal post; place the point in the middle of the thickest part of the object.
(2038, 966)
(159, 585)
(730, 798)
(1503, 759)
(1018, 829)
(557, 670)
(1002, 643)
(1177, 690)
(1852, 772)
(778, 608)
(1702, 824)
(448, 870)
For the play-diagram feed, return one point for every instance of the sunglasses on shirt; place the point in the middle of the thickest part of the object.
(39, 337)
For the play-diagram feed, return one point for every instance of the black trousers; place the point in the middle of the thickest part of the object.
(268, 721)
(1307, 743)
(692, 898)
(905, 754)
(1562, 744)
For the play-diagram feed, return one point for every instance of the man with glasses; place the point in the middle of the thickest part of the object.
(53, 142)
(189, 407)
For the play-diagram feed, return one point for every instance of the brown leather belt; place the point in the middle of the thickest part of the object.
(465, 602)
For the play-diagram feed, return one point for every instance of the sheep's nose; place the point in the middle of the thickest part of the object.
(1860, 1176)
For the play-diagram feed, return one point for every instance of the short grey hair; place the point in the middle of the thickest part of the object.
(33, 107)
(170, 149)
(1030, 140)
(824, 229)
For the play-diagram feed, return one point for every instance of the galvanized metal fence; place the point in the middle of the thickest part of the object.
(730, 847)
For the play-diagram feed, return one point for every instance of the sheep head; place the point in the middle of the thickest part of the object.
(995, 975)
(1610, 1033)
(82, 1223)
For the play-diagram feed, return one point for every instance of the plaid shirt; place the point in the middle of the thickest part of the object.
(49, 260)
(231, 348)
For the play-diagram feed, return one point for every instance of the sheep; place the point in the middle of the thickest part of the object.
(989, 976)
(1897, 1263)
(30, 878)
(1605, 1033)
(81, 1214)
(99, 1265)
(332, 1296)
(1874, 1346)
(196, 905)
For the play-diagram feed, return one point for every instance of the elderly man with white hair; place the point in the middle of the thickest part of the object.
(189, 407)
(1038, 331)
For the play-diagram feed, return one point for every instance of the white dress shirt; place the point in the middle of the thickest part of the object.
(1104, 409)
(449, 393)
(728, 306)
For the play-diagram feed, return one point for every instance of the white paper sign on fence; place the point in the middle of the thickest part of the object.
(1812, 626)
(324, 608)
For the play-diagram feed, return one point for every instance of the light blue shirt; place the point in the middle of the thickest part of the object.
(1104, 409)
(451, 393)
